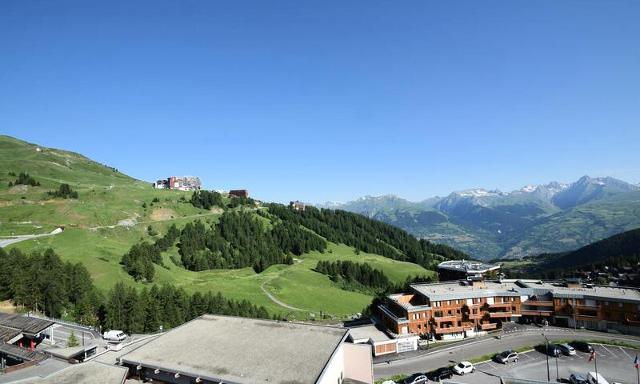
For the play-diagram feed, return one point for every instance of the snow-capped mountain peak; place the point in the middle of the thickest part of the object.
(477, 192)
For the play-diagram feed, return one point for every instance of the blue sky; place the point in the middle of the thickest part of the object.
(330, 100)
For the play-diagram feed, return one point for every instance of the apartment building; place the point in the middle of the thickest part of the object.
(463, 308)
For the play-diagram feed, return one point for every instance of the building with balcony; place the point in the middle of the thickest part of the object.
(460, 309)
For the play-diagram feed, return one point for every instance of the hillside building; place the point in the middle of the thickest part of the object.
(466, 269)
(181, 183)
(463, 308)
(297, 206)
(239, 193)
(222, 349)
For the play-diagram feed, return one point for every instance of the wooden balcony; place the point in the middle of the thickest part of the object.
(488, 326)
(587, 307)
(440, 331)
(494, 315)
(500, 305)
(445, 318)
(537, 303)
(529, 312)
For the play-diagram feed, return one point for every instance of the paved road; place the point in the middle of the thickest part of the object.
(474, 348)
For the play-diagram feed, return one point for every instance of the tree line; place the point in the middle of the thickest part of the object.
(366, 235)
(354, 274)
(42, 282)
(140, 259)
(145, 311)
(242, 239)
(207, 199)
(363, 277)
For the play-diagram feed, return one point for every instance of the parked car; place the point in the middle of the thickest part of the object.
(416, 378)
(596, 378)
(567, 349)
(463, 367)
(582, 346)
(551, 350)
(114, 335)
(507, 356)
(440, 374)
(577, 378)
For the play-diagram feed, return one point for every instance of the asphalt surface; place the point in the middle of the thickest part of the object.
(615, 364)
(429, 360)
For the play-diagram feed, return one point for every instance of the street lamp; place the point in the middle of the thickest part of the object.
(547, 354)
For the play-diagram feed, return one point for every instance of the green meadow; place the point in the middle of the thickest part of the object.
(114, 211)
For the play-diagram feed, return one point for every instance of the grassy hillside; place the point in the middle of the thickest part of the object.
(113, 212)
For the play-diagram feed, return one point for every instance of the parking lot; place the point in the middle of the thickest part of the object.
(614, 363)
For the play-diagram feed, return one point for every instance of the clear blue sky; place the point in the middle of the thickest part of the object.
(330, 100)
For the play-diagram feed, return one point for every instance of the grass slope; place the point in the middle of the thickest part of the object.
(93, 236)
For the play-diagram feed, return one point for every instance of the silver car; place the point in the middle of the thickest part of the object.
(507, 356)
(567, 349)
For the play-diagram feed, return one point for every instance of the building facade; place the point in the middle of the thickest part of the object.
(461, 309)
(239, 193)
(181, 183)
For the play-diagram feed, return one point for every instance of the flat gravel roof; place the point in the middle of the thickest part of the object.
(241, 350)
(90, 372)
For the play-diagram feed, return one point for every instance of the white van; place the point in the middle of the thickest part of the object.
(592, 378)
(114, 335)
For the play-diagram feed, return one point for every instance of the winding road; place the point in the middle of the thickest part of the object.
(275, 300)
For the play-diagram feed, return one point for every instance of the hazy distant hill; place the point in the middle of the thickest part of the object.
(535, 219)
(623, 245)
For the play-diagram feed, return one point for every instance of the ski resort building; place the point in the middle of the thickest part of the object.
(222, 349)
(181, 183)
(459, 309)
(243, 193)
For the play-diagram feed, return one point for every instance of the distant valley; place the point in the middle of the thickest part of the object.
(491, 224)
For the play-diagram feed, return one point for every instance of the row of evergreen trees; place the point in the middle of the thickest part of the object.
(140, 259)
(206, 199)
(42, 282)
(241, 239)
(354, 274)
(366, 234)
(145, 311)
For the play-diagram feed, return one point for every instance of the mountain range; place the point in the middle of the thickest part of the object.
(490, 224)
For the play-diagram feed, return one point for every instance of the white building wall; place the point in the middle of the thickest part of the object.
(334, 371)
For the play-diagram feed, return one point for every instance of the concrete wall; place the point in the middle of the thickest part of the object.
(358, 362)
